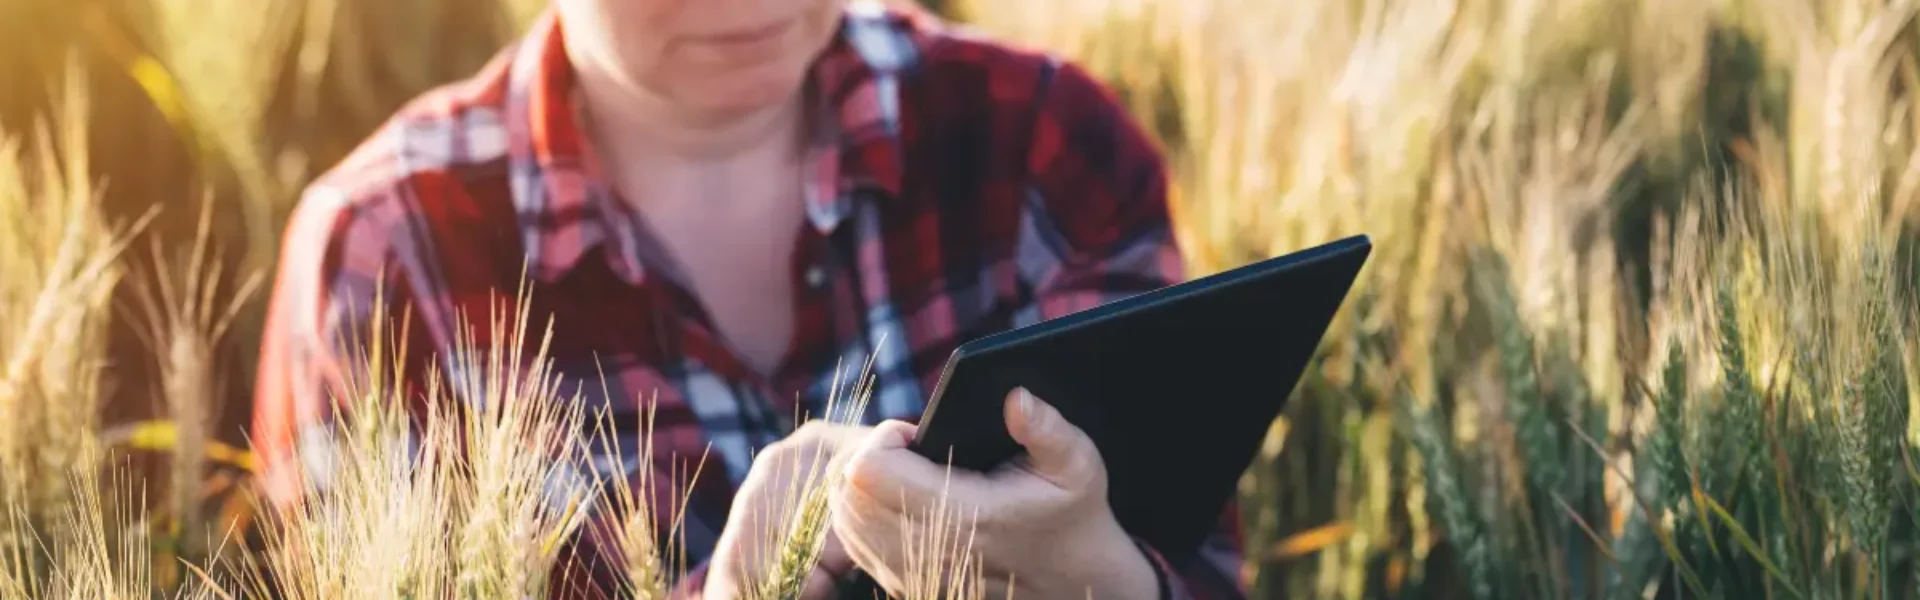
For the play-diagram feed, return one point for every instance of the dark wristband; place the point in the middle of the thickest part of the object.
(858, 585)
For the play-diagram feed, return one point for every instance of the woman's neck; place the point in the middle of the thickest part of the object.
(633, 127)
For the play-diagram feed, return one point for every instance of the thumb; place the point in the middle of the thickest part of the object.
(1057, 451)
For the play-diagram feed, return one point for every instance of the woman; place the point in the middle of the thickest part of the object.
(719, 202)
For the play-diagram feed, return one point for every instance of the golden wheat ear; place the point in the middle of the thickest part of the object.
(376, 503)
(649, 560)
(799, 520)
(60, 253)
(524, 486)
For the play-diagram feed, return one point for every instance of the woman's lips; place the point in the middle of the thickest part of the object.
(748, 36)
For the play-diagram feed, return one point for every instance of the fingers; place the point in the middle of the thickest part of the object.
(1057, 451)
(881, 474)
(869, 538)
(835, 437)
(884, 471)
(893, 434)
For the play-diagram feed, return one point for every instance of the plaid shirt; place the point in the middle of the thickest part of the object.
(967, 188)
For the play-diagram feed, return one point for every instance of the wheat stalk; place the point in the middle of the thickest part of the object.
(86, 565)
(941, 563)
(185, 323)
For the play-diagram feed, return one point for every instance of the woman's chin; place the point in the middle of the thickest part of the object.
(742, 95)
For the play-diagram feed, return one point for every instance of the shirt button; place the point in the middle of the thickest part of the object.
(816, 277)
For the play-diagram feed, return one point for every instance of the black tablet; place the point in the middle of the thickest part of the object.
(1177, 386)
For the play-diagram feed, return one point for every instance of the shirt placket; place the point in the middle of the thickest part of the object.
(741, 409)
(818, 368)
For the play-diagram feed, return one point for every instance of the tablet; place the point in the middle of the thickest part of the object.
(1177, 386)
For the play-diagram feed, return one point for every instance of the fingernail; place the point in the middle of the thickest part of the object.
(1029, 408)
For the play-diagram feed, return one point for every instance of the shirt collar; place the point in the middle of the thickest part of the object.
(565, 211)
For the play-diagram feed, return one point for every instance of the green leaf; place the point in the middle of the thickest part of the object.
(1747, 543)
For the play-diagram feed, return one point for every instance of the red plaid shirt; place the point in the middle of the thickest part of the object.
(968, 188)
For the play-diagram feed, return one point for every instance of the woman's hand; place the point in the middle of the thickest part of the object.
(1042, 524)
(743, 557)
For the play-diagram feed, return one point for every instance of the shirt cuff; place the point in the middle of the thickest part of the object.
(1164, 574)
(691, 585)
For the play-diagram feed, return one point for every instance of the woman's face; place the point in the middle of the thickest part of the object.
(706, 56)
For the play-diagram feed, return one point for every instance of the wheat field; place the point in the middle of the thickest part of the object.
(1640, 321)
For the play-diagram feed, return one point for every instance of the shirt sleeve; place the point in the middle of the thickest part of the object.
(332, 289)
(341, 283)
(692, 585)
(1098, 228)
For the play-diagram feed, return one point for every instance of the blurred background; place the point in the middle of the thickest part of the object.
(1637, 324)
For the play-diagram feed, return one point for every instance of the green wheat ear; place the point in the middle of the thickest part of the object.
(1740, 403)
(1463, 527)
(1667, 448)
(1667, 453)
(1866, 501)
(1638, 552)
(1871, 426)
(1520, 376)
